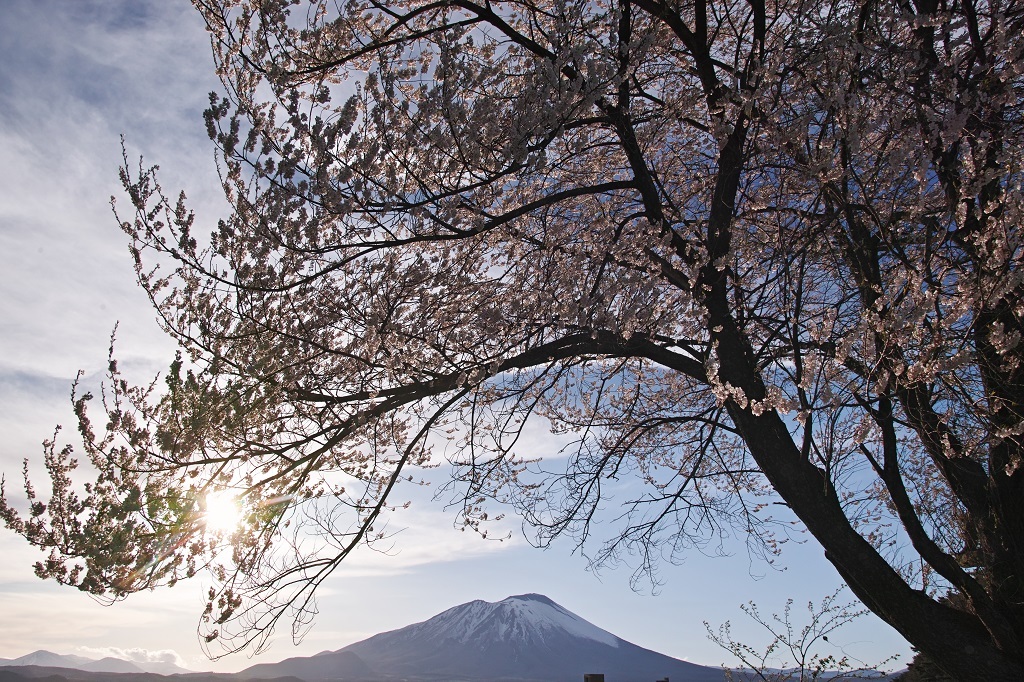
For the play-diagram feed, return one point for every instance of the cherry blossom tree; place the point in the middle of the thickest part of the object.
(738, 254)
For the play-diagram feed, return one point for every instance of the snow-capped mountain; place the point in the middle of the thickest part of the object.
(525, 637)
(524, 620)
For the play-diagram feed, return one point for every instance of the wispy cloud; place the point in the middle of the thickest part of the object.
(425, 536)
(76, 76)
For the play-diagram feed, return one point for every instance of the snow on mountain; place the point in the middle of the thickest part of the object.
(522, 618)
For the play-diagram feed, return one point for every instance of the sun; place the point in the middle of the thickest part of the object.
(223, 513)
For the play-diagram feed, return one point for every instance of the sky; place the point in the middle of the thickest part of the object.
(75, 76)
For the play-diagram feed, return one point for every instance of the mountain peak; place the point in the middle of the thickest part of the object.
(530, 596)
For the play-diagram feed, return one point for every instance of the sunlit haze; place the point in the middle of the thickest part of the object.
(223, 511)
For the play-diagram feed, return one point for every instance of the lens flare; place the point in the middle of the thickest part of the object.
(223, 513)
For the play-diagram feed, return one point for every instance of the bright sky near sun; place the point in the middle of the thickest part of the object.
(74, 76)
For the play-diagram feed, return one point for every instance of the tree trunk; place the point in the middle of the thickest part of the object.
(954, 639)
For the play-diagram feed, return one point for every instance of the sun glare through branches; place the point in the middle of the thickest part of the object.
(223, 512)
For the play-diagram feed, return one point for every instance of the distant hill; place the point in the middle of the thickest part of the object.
(111, 665)
(35, 673)
(48, 658)
(107, 664)
(339, 665)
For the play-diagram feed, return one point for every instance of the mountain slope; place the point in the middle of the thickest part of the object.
(525, 637)
(108, 664)
(341, 665)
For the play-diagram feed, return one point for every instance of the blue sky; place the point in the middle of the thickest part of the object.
(74, 76)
